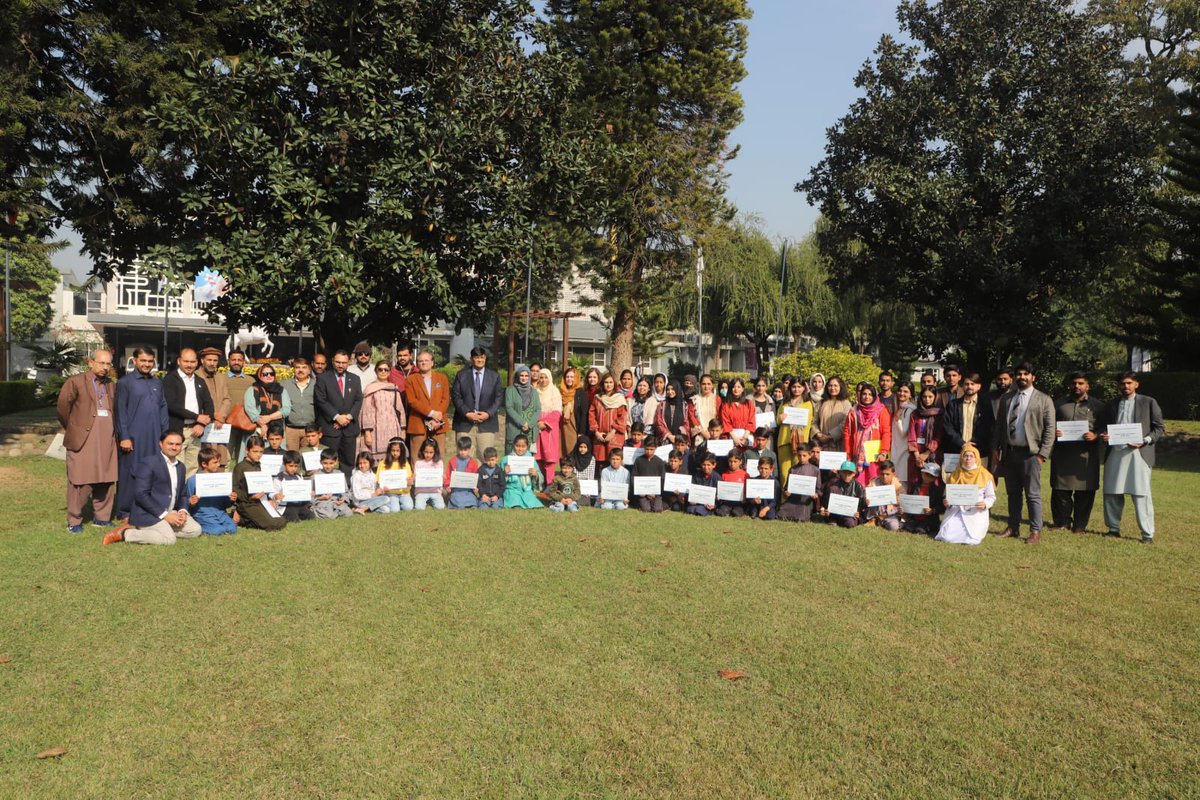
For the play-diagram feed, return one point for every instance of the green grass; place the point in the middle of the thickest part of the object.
(506, 654)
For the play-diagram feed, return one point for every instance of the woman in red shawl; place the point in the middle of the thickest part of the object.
(868, 434)
(608, 419)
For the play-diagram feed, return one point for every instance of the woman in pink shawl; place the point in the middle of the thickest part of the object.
(868, 434)
(382, 414)
(549, 443)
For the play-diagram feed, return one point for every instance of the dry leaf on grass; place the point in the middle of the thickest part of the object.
(584, 538)
(5, 660)
(53, 752)
(1024, 566)
(665, 542)
(644, 570)
(732, 674)
(425, 589)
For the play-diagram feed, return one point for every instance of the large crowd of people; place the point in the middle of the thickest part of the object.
(206, 450)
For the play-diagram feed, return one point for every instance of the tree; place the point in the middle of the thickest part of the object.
(658, 78)
(33, 280)
(993, 166)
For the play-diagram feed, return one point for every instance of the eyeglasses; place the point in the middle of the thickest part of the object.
(382, 369)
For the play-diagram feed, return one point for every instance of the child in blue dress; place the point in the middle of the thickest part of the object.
(211, 512)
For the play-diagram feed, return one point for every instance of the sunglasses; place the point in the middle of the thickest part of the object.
(267, 374)
(383, 369)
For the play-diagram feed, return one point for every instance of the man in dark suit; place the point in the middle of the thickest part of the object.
(1022, 441)
(159, 513)
(968, 419)
(338, 401)
(189, 405)
(1127, 467)
(477, 395)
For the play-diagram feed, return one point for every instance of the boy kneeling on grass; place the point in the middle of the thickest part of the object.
(211, 512)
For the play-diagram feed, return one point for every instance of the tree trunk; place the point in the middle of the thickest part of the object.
(624, 319)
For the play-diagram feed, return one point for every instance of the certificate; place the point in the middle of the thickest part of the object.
(1128, 433)
(272, 465)
(802, 484)
(842, 504)
(950, 462)
(271, 509)
(614, 491)
(796, 416)
(464, 480)
(259, 482)
(913, 503)
(520, 465)
(760, 487)
(214, 484)
(677, 482)
(730, 490)
(702, 495)
(329, 482)
(663, 452)
(589, 488)
(881, 495)
(647, 485)
(219, 435)
(719, 447)
(632, 454)
(739, 433)
(963, 494)
(427, 478)
(832, 459)
(764, 419)
(296, 491)
(752, 467)
(1073, 430)
(393, 479)
(312, 460)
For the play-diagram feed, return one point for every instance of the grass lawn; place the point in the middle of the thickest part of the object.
(502, 654)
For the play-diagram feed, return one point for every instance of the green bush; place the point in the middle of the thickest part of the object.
(18, 396)
(829, 362)
(728, 375)
(51, 388)
(676, 370)
(1177, 393)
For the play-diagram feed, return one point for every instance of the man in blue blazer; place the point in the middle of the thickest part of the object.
(477, 394)
(338, 400)
(159, 513)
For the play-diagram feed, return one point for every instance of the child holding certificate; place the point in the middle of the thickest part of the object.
(428, 458)
(968, 523)
(734, 474)
(649, 466)
(211, 512)
(250, 508)
(798, 507)
(365, 493)
(462, 462)
(844, 485)
(675, 500)
(312, 444)
(886, 517)
(292, 510)
(614, 474)
(520, 486)
(707, 476)
(491, 480)
(928, 486)
(563, 489)
(331, 505)
(395, 460)
(764, 507)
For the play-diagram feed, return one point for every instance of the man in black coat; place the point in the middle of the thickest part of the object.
(189, 405)
(968, 418)
(338, 401)
(476, 394)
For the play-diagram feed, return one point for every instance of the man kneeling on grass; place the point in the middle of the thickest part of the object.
(159, 512)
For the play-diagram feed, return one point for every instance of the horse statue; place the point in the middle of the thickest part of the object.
(246, 337)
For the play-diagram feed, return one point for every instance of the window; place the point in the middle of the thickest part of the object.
(138, 292)
(84, 303)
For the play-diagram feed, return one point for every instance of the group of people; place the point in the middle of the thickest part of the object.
(368, 436)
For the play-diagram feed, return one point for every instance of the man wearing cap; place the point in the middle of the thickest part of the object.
(476, 394)
(218, 390)
(1021, 442)
(362, 366)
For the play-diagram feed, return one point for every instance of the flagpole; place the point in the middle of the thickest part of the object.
(700, 304)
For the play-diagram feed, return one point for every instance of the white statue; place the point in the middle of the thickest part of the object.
(244, 338)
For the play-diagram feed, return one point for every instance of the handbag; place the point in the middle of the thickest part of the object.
(238, 419)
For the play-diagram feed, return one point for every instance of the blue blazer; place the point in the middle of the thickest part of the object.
(152, 491)
(462, 394)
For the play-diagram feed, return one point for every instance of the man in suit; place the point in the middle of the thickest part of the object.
(1127, 468)
(159, 513)
(428, 394)
(1022, 441)
(477, 395)
(968, 419)
(141, 419)
(189, 405)
(338, 402)
(85, 410)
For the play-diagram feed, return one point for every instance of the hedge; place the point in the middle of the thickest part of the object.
(1177, 393)
(18, 396)
(852, 367)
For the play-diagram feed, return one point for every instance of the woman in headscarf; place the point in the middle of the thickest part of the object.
(626, 387)
(708, 405)
(675, 417)
(642, 405)
(608, 419)
(831, 416)
(868, 434)
(382, 413)
(968, 524)
(548, 446)
(659, 386)
(521, 408)
(816, 388)
(723, 389)
(900, 425)
(737, 415)
(583, 402)
(792, 436)
(690, 387)
(925, 431)
(567, 388)
(265, 401)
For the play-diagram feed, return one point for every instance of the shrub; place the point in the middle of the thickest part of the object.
(17, 396)
(728, 375)
(677, 369)
(829, 362)
(50, 389)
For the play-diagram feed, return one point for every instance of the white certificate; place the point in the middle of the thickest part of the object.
(677, 482)
(1128, 433)
(272, 465)
(752, 467)
(259, 482)
(764, 419)
(881, 495)
(329, 482)
(963, 494)
(1073, 430)
(520, 465)
(312, 460)
(760, 487)
(842, 504)
(614, 491)
(464, 480)
(393, 479)
(730, 490)
(832, 459)
(802, 484)
(663, 452)
(719, 447)
(427, 477)
(647, 485)
(214, 435)
(589, 488)
(913, 503)
(271, 509)
(632, 454)
(214, 484)
(950, 462)
(739, 433)
(702, 495)
(296, 491)
(795, 416)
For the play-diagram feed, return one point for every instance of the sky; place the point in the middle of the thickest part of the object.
(801, 59)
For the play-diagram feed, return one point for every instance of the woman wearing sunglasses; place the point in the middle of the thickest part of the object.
(265, 401)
